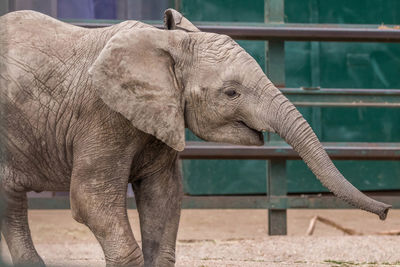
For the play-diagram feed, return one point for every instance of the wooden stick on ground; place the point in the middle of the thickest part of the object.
(311, 226)
(391, 232)
(330, 223)
(348, 231)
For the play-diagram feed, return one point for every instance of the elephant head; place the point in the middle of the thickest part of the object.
(164, 80)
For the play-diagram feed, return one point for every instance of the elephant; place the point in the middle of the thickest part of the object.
(91, 111)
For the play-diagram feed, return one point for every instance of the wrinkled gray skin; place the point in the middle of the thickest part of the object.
(90, 110)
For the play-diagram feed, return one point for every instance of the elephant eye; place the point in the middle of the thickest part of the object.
(231, 93)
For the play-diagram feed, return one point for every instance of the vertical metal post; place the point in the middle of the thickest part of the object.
(122, 9)
(11, 5)
(275, 50)
(177, 5)
(275, 64)
(5, 6)
(54, 8)
(277, 187)
(316, 112)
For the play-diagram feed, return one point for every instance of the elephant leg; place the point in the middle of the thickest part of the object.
(15, 226)
(158, 201)
(98, 200)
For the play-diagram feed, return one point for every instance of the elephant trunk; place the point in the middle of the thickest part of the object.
(287, 121)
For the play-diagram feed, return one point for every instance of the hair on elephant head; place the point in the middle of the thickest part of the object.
(162, 80)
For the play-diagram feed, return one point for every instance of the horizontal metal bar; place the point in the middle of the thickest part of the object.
(336, 151)
(235, 202)
(288, 32)
(306, 33)
(275, 202)
(343, 97)
(49, 203)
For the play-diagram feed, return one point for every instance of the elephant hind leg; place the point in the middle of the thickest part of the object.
(98, 200)
(104, 212)
(15, 226)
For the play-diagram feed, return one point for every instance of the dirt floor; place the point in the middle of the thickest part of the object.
(233, 238)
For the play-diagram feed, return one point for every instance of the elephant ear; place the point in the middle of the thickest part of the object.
(134, 75)
(173, 20)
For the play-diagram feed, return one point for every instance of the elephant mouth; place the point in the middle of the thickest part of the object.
(258, 134)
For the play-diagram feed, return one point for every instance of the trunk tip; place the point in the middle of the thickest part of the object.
(383, 214)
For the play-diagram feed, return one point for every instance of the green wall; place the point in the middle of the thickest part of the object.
(324, 64)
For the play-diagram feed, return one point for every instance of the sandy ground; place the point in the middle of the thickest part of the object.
(233, 238)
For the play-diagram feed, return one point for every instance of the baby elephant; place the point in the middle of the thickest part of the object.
(91, 110)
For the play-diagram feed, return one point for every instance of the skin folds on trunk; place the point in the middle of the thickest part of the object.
(287, 121)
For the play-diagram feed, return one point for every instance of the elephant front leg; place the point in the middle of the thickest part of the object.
(98, 200)
(158, 199)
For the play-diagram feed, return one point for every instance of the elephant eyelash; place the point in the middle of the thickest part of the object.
(232, 93)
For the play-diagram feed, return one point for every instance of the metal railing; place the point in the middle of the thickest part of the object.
(288, 31)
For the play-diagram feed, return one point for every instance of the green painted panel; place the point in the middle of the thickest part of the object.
(347, 65)
(344, 11)
(210, 177)
(325, 64)
(223, 10)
